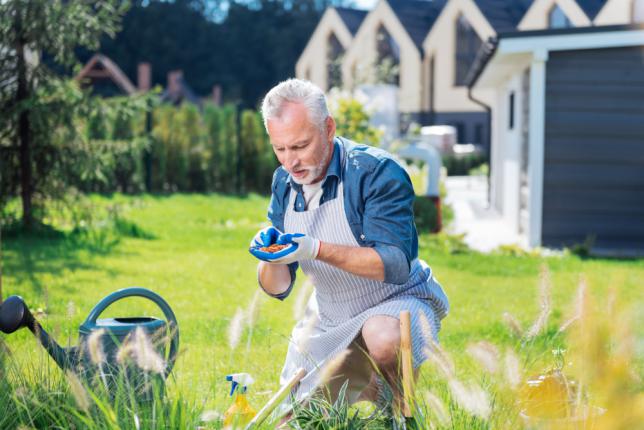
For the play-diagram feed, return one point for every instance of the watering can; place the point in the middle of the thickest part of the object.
(14, 315)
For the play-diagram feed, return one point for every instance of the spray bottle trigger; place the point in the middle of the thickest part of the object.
(230, 378)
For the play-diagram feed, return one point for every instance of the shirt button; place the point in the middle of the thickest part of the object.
(362, 236)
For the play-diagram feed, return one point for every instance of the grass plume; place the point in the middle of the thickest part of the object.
(545, 303)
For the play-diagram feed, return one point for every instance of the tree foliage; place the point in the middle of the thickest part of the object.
(352, 120)
(39, 140)
(246, 51)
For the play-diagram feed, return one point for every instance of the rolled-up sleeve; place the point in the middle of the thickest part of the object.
(388, 221)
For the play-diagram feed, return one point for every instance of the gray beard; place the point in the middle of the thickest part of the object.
(317, 170)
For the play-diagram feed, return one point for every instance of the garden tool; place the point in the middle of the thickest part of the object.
(14, 314)
(240, 412)
(276, 399)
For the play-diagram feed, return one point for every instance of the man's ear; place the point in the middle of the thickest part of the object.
(330, 128)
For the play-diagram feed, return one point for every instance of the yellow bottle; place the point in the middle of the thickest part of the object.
(240, 412)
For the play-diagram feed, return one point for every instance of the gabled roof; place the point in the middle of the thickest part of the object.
(417, 17)
(504, 15)
(352, 18)
(591, 7)
(100, 67)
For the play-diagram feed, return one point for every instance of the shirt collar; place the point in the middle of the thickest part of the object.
(333, 170)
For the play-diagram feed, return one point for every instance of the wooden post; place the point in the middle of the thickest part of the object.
(407, 369)
(276, 399)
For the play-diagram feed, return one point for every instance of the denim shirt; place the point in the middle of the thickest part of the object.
(378, 203)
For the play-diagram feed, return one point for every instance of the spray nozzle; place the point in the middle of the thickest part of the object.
(239, 379)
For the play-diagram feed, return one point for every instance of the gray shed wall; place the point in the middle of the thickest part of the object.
(594, 149)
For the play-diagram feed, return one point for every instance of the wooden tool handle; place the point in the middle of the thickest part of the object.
(407, 369)
(276, 399)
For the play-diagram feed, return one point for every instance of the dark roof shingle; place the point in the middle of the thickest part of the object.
(591, 7)
(503, 15)
(417, 16)
(352, 18)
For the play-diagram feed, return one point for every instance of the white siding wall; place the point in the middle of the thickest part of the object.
(615, 12)
(312, 64)
(357, 66)
(441, 43)
(511, 139)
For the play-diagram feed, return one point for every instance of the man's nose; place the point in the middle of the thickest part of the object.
(291, 159)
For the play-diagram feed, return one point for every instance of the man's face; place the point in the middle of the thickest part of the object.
(301, 147)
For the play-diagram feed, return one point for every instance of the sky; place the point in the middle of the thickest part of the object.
(365, 4)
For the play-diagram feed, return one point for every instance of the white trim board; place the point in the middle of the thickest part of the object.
(565, 42)
(536, 148)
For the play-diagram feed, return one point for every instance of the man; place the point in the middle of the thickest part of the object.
(344, 213)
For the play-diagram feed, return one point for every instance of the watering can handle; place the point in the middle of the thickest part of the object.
(154, 297)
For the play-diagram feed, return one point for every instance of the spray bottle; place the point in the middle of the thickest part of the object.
(240, 412)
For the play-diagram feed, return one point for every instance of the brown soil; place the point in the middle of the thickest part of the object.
(272, 248)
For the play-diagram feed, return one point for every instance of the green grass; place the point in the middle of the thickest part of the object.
(192, 250)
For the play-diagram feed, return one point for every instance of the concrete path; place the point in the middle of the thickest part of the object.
(483, 227)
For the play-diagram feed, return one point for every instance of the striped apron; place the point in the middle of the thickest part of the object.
(342, 302)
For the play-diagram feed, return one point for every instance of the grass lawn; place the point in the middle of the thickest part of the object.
(192, 250)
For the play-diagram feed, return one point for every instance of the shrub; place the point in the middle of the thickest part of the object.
(257, 159)
(425, 214)
(462, 165)
(352, 121)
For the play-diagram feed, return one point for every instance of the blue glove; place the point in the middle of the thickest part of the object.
(265, 237)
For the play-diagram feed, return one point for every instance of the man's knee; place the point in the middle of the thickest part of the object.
(381, 334)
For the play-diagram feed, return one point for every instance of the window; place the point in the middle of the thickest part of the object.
(468, 44)
(557, 18)
(511, 111)
(638, 11)
(478, 134)
(388, 66)
(334, 54)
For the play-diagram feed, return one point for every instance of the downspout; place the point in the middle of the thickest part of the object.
(482, 57)
(488, 110)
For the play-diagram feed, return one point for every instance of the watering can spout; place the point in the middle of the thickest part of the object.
(14, 315)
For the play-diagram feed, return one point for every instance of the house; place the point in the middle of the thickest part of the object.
(107, 79)
(177, 90)
(321, 60)
(388, 48)
(449, 50)
(567, 161)
(426, 48)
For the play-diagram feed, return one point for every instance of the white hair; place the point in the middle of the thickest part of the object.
(296, 91)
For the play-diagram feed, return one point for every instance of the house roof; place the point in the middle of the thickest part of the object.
(417, 16)
(352, 18)
(504, 15)
(487, 50)
(591, 7)
(101, 67)
(179, 91)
